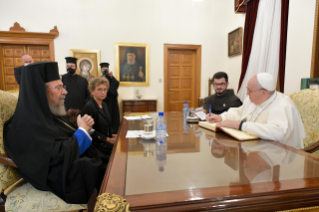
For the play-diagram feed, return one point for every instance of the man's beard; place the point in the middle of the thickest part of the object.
(57, 110)
(219, 93)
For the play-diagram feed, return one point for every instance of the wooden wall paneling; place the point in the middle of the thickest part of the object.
(18, 35)
(39, 53)
(11, 57)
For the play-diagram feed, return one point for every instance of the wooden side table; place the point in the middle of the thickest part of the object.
(139, 105)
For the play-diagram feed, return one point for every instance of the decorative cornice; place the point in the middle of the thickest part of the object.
(18, 32)
(17, 27)
(111, 203)
(54, 30)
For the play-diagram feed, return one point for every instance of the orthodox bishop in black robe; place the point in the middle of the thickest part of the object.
(51, 153)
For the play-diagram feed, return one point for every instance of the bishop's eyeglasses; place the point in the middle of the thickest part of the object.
(59, 88)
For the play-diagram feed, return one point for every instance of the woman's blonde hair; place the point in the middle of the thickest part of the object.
(97, 81)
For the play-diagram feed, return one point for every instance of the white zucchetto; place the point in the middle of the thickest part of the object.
(266, 81)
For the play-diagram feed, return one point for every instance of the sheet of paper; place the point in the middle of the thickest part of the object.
(134, 133)
(146, 117)
(129, 118)
(138, 134)
(200, 114)
(198, 109)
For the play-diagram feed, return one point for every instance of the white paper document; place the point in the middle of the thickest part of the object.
(134, 133)
(140, 134)
(146, 117)
(200, 114)
(130, 118)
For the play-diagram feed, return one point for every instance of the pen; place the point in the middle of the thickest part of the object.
(210, 110)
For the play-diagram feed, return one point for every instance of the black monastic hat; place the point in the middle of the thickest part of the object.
(104, 65)
(71, 60)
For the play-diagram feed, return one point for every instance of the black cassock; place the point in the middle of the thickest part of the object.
(78, 93)
(112, 103)
(43, 146)
(70, 176)
(222, 103)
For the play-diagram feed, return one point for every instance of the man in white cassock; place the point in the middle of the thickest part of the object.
(266, 113)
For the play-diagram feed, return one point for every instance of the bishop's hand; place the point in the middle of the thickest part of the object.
(85, 122)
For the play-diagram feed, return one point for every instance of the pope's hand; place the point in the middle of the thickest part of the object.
(213, 118)
(85, 122)
(229, 123)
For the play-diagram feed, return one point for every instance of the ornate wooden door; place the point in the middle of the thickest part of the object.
(10, 57)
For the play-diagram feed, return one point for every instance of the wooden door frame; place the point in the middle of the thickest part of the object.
(198, 56)
(18, 35)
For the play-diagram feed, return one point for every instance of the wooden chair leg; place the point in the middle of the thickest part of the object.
(92, 201)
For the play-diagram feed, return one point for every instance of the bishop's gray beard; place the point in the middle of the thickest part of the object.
(58, 110)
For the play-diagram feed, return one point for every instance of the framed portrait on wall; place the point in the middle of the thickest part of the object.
(87, 63)
(235, 42)
(132, 64)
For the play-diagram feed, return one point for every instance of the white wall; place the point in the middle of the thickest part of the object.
(98, 24)
(299, 43)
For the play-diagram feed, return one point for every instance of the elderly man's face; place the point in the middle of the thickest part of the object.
(130, 58)
(26, 59)
(56, 94)
(255, 92)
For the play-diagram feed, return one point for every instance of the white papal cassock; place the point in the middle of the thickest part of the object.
(275, 119)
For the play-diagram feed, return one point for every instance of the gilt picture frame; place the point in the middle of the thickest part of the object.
(235, 42)
(88, 63)
(132, 64)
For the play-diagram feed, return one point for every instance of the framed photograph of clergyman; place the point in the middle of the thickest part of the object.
(132, 64)
(235, 42)
(87, 63)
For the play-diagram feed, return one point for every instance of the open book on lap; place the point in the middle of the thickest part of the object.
(237, 134)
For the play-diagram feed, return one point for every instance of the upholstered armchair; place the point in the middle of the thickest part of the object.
(307, 102)
(17, 193)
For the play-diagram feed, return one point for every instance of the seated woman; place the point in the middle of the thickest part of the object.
(98, 110)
